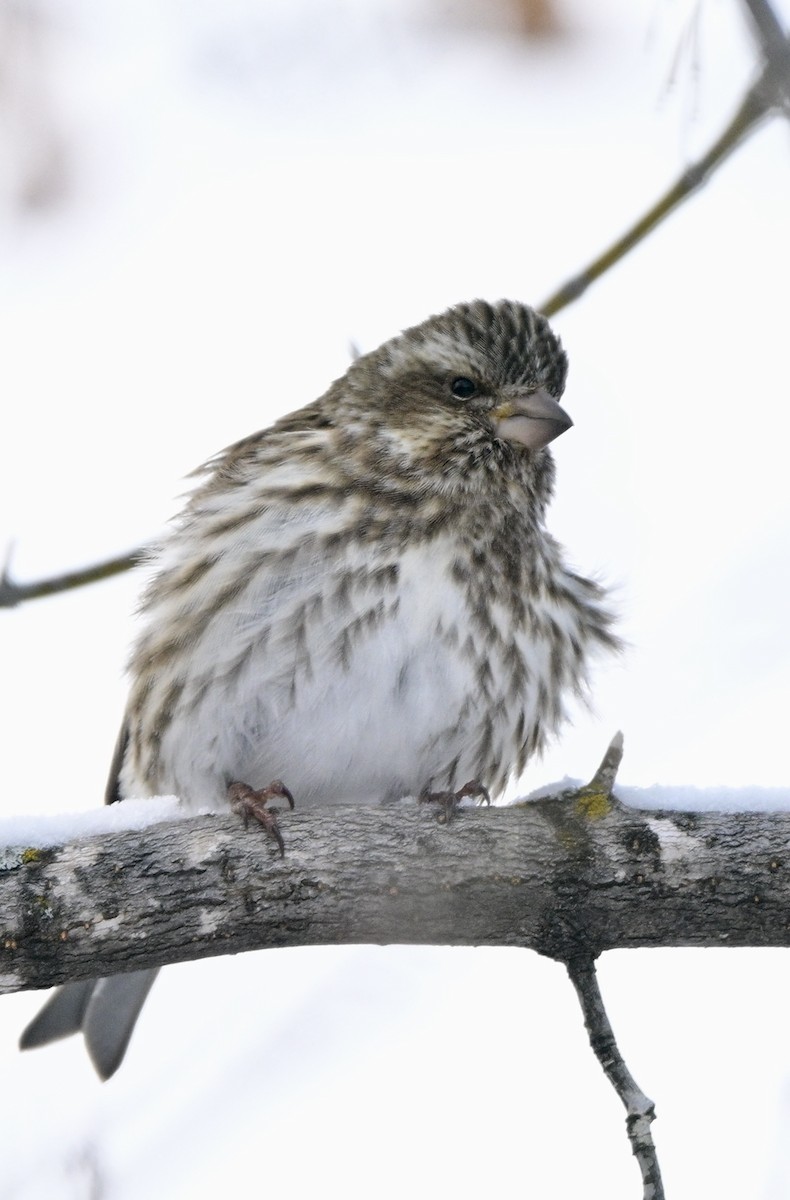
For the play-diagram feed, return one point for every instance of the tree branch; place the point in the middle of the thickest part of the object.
(568, 876)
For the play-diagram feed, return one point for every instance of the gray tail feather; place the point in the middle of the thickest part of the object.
(104, 1009)
(61, 1015)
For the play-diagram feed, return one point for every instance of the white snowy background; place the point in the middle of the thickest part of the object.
(236, 191)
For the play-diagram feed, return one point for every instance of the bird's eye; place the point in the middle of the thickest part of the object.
(463, 388)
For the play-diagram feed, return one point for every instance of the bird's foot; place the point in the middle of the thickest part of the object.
(248, 802)
(451, 801)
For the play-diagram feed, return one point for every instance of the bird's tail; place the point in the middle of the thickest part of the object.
(104, 1010)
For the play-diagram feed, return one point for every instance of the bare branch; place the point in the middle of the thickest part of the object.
(13, 593)
(639, 1108)
(776, 52)
(752, 110)
(771, 91)
(568, 876)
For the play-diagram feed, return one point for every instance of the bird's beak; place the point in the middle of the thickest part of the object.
(534, 420)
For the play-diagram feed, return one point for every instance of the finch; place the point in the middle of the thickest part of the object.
(362, 601)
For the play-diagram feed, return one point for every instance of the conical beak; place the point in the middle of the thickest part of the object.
(533, 420)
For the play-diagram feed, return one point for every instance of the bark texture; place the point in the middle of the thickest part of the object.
(568, 876)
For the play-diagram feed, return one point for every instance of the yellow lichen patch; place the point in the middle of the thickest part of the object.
(31, 855)
(593, 803)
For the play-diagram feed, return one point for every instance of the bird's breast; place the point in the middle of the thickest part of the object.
(362, 680)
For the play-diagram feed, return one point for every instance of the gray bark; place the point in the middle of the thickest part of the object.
(568, 876)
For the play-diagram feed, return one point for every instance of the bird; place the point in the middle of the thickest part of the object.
(359, 603)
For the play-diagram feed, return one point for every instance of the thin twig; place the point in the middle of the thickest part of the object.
(753, 108)
(772, 90)
(581, 969)
(13, 593)
(639, 1108)
(776, 52)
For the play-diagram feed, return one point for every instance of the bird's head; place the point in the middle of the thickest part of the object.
(477, 380)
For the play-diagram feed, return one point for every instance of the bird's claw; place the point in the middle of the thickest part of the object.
(248, 802)
(451, 801)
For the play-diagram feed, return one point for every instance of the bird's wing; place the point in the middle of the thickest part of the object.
(112, 791)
